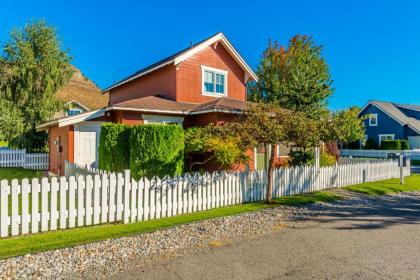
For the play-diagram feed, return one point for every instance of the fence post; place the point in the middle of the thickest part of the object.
(401, 169)
(317, 156)
(126, 199)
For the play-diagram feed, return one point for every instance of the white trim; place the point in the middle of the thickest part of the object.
(73, 119)
(278, 151)
(215, 71)
(380, 135)
(148, 110)
(162, 119)
(370, 119)
(218, 37)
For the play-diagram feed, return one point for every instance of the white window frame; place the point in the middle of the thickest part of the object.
(215, 71)
(278, 154)
(386, 135)
(151, 119)
(370, 119)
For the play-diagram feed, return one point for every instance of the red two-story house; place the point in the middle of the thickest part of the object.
(204, 83)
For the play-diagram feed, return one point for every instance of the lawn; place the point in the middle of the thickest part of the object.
(19, 173)
(20, 245)
(411, 183)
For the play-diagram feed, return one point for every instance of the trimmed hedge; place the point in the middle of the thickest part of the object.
(390, 145)
(156, 150)
(114, 149)
(394, 145)
(371, 144)
(405, 145)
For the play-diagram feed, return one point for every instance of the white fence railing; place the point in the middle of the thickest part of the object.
(60, 203)
(19, 158)
(412, 154)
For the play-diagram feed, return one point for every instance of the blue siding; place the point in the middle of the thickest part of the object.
(386, 125)
(410, 113)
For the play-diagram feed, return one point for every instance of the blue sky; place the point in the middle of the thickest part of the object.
(372, 47)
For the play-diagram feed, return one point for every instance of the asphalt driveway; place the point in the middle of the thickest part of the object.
(376, 238)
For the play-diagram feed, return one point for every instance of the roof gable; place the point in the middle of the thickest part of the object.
(186, 53)
(395, 113)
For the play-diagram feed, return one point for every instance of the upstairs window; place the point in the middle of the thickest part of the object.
(214, 81)
(373, 120)
(74, 111)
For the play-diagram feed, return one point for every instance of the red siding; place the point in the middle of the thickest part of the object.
(57, 159)
(189, 75)
(161, 82)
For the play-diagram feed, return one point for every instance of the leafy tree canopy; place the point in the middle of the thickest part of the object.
(297, 77)
(32, 68)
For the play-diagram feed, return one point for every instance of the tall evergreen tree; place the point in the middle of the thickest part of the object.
(33, 67)
(298, 77)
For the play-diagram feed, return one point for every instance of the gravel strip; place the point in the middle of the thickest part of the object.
(113, 255)
(110, 256)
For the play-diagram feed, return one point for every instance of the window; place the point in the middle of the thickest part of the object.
(155, 119)
(73, 111)
(214, 81)
(383, 137)
(373, 119)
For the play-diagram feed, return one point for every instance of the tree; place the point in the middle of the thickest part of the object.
(269, 124)
(33, 67)
(211, 143)
(297, 78)
(344, 126)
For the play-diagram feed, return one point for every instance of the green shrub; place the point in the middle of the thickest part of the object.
(371, 144)
(326, 159)
(300, 158)
(390, 145)
(114, 148)
(404, 145)
(156, 150)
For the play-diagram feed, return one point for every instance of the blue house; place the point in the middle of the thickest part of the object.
(391, 121)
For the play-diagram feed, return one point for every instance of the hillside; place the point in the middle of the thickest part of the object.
(84, 91)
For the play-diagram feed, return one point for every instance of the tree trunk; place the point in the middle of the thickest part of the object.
(269, 194)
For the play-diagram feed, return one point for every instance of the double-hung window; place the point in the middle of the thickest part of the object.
(373, 120)
(214, 81)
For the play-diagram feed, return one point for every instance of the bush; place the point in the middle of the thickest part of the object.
(156, 150)
(390, 145)
(114, 148)
(327, 159)
(404, 145)
(371, 144)
(299, 157)
(331, 148)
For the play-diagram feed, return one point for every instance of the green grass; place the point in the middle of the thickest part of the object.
(411, 183)
(20, 245)
(19, 173)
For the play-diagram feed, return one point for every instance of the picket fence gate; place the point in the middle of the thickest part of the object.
(19, 158)
(68, 202)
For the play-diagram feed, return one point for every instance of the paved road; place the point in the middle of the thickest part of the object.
(374, 239)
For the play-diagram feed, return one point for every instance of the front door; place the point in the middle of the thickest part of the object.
(86, 145)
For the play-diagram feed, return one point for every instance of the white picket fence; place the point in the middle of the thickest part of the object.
(412, 154)
(60, 203)
(19, 158)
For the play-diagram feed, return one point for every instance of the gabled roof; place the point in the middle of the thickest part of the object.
(391, 109)
(154, 104)
(184, 54)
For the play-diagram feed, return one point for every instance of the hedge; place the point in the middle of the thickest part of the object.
(156, 150)
(390, 145)
(371, 144)
(404, 145)
(114, 149)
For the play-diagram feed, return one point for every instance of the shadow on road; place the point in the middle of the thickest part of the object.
(370, 212)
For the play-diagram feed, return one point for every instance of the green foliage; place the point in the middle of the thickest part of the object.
(404, 145)
(207, 142)
(32, 69)
(371, 144)
(156, 150)
(390, 145)
(344, 126)
(299, 157)
(297, 77)
(326, 159)
(114, 148)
